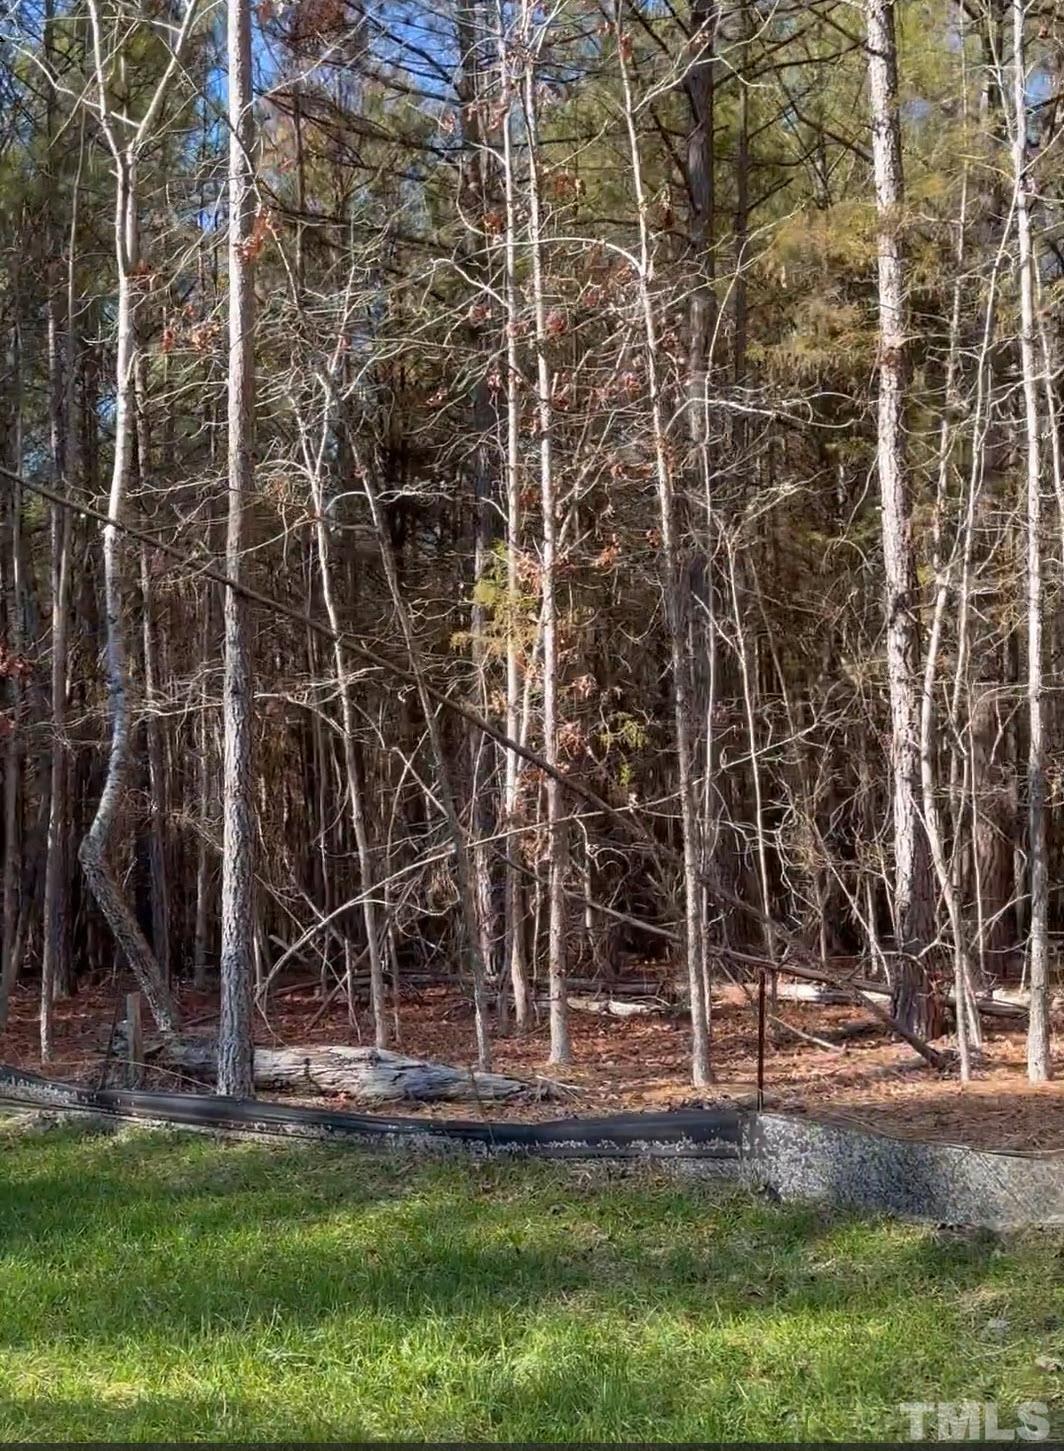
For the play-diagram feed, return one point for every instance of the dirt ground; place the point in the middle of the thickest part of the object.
(638, 1063)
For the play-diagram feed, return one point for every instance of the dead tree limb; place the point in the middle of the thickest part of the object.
(368, 1075)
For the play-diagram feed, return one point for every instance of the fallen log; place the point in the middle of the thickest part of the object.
(1003, 1003)
(368, 1075)
(615, 1007)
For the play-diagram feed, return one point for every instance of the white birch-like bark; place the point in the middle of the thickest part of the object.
(1038, 1059)
(968, 1026)
(93, 852)
(95, 846)
(913, 910)
(557, 829)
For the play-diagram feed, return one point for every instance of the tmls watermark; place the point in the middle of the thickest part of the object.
(975, 1421)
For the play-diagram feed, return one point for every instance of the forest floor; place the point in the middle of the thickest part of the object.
(160, 1286)
(639, 1063)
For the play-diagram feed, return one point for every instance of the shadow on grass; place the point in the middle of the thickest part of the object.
(234, 1234)
(615, 1399)
(324, 1292)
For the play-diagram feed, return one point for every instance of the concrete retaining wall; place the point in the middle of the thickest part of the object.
(791, 1156)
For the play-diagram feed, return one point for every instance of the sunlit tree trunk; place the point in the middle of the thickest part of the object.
(1038, 1062)
(557, 829)
(676, 590)
(96, 843)
(913, 909)
(472, 36)
(515, 896)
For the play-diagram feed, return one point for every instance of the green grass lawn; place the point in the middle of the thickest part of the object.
(171, 1287)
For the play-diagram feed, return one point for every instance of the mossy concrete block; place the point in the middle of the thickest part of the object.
(801, 1158)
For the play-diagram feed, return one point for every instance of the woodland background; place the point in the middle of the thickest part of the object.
(672, 390)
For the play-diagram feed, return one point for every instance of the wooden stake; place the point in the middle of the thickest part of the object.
(761, 1039)
(134, 1041)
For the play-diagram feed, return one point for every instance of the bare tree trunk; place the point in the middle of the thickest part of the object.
(56, 974)
(235, 1076)
(515, 897)
(968, 1026)
(14, 567)
(95, 845)
(740, 309)
(157, 808)
(966, 1015)
(472, 34)
(702, 308)
(201, 938)
(746, 675)
(1038, 1061)
(913, 907)
(700, 82)
(557, 829)
(676, 591)
(55, 960)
